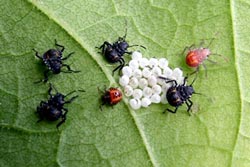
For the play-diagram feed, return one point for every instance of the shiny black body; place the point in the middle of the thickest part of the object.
(179, 94)
(54, 61)
(114, 53)
(54, 108)
(49, 112)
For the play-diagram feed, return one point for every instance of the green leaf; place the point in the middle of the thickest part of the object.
(217, 134)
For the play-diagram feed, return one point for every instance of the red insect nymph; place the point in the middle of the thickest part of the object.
(111, 97)
(195, 57)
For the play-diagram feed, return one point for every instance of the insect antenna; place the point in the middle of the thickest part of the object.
(138, 45)
(126, 29)
(80, 90)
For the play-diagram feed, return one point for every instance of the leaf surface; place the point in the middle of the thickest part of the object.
(217, 134)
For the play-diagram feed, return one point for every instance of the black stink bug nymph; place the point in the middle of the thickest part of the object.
(114, 52)
(54, 61)
(178, 94)
(53, 109)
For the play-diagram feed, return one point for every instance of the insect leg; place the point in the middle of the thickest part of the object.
(122, 62)
(189, 105)
(171, 110)
(37, 54)
(69, 69)
(65, 58)
(63, 118)
(59, 46)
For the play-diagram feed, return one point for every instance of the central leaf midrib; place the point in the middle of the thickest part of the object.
(232, 9)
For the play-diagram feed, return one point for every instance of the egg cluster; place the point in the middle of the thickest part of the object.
(141, 83)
